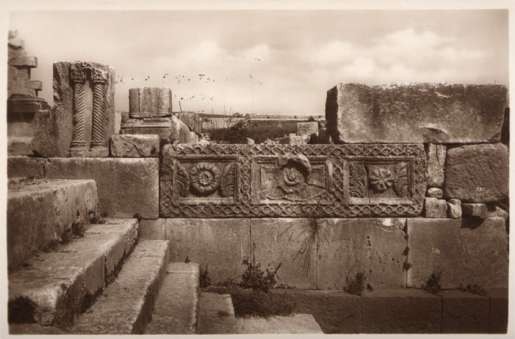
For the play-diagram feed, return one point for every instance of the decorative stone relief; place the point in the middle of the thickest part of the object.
(268, 180)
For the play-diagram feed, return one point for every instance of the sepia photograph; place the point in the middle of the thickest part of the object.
(255, 170)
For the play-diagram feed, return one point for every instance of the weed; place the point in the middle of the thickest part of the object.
(474, 289)
(204, 279)
(355, 285)
(432, 284)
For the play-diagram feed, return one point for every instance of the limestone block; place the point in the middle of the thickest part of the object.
(435, 192)
(134, 146)
(435, 208)
(126, 186)
(150, 102)
(159, 126)
(179, 132)
(498, 322)
(426, 113)
(220, 245)
(472, 253)
(477, 173)
(400, 310)
(21, 166)
(307, 128)
(289, 242)
(454, 210)
(373, 246)
(464, 312)
(474, 210)
(436, 154)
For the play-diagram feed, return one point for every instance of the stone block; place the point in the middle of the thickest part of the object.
(435, 174)
(126, 186)
(464, 312)
(134, 146)
(464, 252)
(373, 246)
(22, 166)
(400, 311)
(434, 192)
(152, 229)
(292, 324)
(158, 126)
(180, 132)
(19, 146)
(289, 242)
(454, 210)
(477, 210)
(150, 102)
(307, 128)
(498, 317)
(220, 245)
(435, 208)
(24, 61)
(477, 173)
(426, 113)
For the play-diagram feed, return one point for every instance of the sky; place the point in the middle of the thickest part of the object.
(269, 61)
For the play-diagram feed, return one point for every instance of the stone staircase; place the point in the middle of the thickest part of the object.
(72, 272)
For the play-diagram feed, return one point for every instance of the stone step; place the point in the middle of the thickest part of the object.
(295, 323)
(43, 213)
(126, 305)
(19, 145)
(215, 314)
(177, 302)
(53, 287)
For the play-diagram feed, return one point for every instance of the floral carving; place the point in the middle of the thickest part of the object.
(204, 178)
(228, 180)
(380, 179)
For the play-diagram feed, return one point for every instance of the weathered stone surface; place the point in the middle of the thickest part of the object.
(216, 314)
(435, 208)
(435, 192)
(436, 154)
(180, 132)
(159, 126)
(400, 311)
(334, 311)
(150, 102)
(199, 240)
(474, 210)
(22, 166)
(415, 113)
(42, 213)
(57, 284)
(293, 139)
(473, 253)
(464, 312)
(498, 318)
(296, 323)
(307, 128)
(454, 210)
(19, 146)
(126, 186)
(134, 146)
(477, 173)
(289, 242)
(268, 180)
(125, 306)
(345, 247)
(19, 65)
(176, 307)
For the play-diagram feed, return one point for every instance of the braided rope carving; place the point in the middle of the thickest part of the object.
(80, 115)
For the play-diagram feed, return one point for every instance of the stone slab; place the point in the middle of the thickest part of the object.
(216, 314)
(134, 146)
(23, 166)
(435, 192)
(289, 242)
(373, 246)
(126, 186)
(220, 245)
(429, 113)
(477, 173)
(498, 317)
(42, 213)
(477, 210)
(464, 251)
(150, 101)
(270, 180)
(125, 306)
(400, 311)
(435, 208)
(294, 324)
(436, 154)
(54, 286)
(176, 307)
(464, 312)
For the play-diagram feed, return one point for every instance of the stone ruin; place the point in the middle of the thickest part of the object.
(405, 184)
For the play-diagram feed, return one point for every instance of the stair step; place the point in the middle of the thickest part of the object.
(42, 213)
(126, 305)
(216, 314)
(19, 145)
(54, 287)
(175, 311)
(295, 323)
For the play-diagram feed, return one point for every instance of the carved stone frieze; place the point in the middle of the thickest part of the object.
(350, 180)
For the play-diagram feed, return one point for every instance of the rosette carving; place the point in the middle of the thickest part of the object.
(204, 178)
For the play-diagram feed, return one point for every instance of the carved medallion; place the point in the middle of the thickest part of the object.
(204, 178)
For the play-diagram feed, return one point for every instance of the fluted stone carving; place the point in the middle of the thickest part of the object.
(150, 102)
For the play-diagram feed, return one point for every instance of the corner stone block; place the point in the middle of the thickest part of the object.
(464, 312)
(477, 173)
(441, 114)
(400, 310)
(290, 242)
(220, 245)
(463, 251)
(373, 246)
(134, 146)
(126, 187)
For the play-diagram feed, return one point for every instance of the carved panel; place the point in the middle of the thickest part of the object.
(350, 180)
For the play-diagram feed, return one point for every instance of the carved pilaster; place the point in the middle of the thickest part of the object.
(98, 139)
(81, 115)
